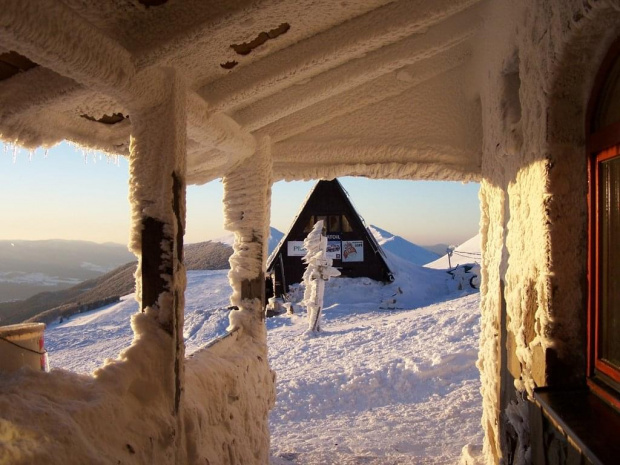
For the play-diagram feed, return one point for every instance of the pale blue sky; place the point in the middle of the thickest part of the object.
(65, 196)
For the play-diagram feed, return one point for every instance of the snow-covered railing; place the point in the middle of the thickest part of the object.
(214, 341)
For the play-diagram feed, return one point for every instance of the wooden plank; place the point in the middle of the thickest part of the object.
(536, 434)
(152, 264)
(254, 289)
(586, 420)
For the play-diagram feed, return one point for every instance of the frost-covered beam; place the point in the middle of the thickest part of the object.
(329, 49)
(218, 142)
(373, 92)
(217, 131)
(350, 76)
(216, 34)
(361, 152)
(47, 128)
(411, 170)
(204, 165)
(247, 203)
(54, 36)
(17, 95)
(157, 195)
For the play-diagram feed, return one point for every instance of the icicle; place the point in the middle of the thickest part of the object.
(112, 159)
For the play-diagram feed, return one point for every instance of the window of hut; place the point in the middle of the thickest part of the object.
(334, 223)
(346, 226)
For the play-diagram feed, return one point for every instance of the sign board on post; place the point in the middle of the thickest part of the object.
(352, 251)
(295, 249)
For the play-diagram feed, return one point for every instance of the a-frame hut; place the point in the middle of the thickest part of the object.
(353, 249)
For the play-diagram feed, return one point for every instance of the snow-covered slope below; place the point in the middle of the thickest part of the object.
(401, 247)
(391, 379)
(467, 252)
(83, 342)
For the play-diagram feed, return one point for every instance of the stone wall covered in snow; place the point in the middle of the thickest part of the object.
(533, 203)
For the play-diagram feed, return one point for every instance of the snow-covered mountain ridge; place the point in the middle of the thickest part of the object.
(466, 253)
(29, 267)
(402, 247)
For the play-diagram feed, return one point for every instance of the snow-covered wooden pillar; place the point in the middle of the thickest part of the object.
(157, 194)
(247, 203)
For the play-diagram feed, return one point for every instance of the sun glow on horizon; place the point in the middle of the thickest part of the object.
(67, 193)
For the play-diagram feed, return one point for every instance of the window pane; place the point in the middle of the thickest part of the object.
(309, 225)
(346, 226)
(334, 223)
(609, 309)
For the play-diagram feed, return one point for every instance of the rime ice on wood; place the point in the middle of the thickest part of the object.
(319, 269)
(247, 201)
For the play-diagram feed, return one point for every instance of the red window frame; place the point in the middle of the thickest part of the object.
(598, 363)
(603, 145)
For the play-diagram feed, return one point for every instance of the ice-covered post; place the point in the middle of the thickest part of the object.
(247, 203)
(450, 251)
(157, 195)
(318, 271)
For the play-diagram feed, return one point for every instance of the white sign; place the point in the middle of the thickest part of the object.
(352, 251)
(334, 250)
(296, 249)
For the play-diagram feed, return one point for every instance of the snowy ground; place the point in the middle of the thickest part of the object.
(377, 387)
(390, 380)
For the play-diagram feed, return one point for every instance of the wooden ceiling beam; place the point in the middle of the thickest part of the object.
(356, 73)
(78, 50)
(360, 151)
(329, 49)
(414, 171)
(371, 93)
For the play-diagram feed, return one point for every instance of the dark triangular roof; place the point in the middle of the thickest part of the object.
(329, 199)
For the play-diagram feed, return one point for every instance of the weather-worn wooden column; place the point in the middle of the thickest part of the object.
(247, 203)
(157, 194)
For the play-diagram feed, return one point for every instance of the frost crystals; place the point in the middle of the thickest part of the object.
(318, 271)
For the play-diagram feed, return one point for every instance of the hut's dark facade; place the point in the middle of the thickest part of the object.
(353, 249)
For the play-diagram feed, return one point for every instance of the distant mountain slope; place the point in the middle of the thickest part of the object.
(201, 256)
(402, 248)
(439, 249)
(115, 283)
(62, 257)
(467, 252)
(210, 255)
(29, 267)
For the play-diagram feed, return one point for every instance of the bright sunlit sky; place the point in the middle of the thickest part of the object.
(65, 196)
